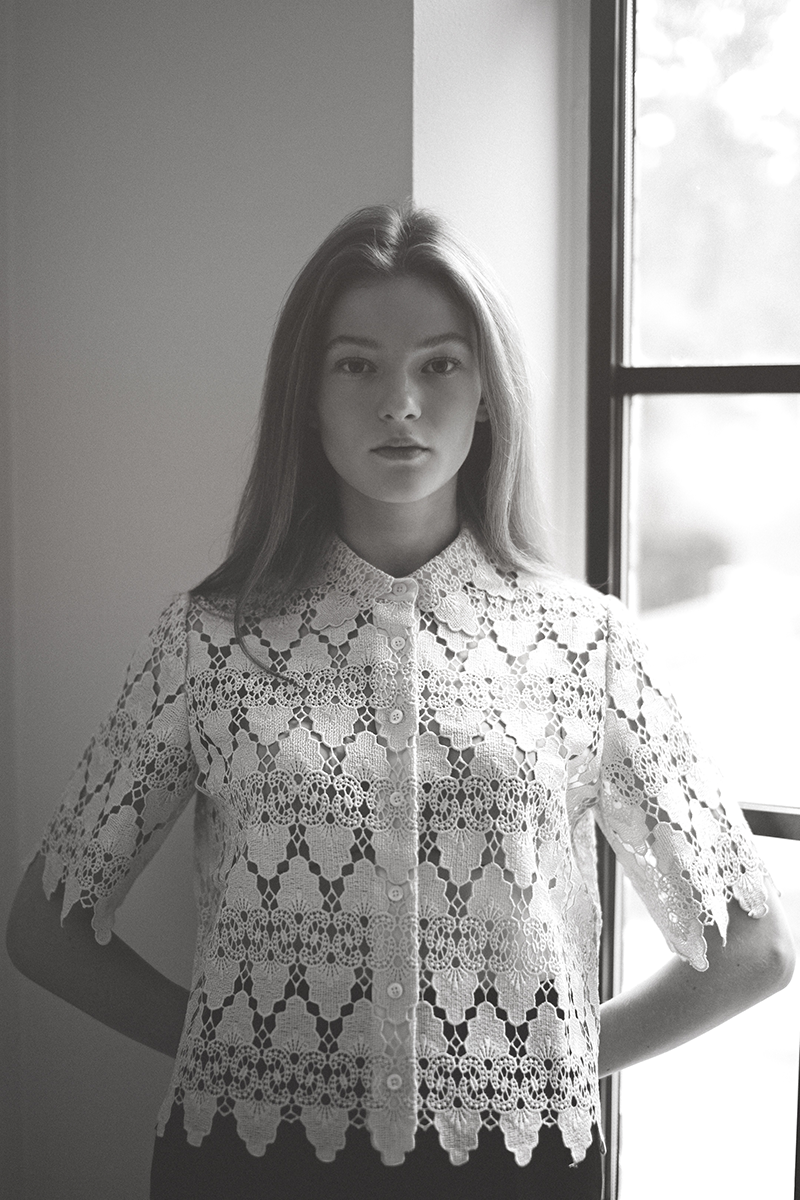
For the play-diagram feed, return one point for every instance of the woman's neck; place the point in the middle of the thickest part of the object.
(397, 538)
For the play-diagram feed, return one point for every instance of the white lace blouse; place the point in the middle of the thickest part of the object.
(398, 908)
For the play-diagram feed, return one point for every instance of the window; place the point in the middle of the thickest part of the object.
(694, 508)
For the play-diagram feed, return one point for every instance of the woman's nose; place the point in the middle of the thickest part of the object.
(400, 401)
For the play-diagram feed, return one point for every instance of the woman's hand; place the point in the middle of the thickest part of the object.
(111, 983)
(678, 1003)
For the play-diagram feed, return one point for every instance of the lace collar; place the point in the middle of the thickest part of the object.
(437, 587)
(452, 586)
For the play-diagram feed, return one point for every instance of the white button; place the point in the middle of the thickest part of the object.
(399, 588)
(396, 716)
(396, 798)
(395, 892)
(398, 643)
(395, 990)
(394, 1082)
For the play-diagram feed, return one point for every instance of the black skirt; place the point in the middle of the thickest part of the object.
(223, 1169)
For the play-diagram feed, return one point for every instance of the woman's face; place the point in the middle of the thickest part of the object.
(400, 392)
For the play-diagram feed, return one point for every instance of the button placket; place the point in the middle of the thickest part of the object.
(396, 616)
(396, 847)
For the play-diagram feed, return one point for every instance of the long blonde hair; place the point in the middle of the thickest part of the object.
(286, 512)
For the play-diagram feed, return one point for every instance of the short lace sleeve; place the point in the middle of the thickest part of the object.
(134, 780)
(686, 852)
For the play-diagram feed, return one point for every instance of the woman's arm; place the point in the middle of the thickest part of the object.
(677, 1003)
(112, 982)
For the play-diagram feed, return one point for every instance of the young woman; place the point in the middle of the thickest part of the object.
(400, 728)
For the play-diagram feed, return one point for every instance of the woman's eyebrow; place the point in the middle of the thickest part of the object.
(437, 339)
(352, 340)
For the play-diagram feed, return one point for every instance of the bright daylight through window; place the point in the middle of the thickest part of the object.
(713, 528)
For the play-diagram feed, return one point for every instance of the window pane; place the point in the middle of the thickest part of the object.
(715, 574)
(716, 258)
(715, 1117)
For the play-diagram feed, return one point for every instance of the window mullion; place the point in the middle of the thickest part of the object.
(606, 420)
(697, 380)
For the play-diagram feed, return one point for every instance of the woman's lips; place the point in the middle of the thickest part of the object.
(401, 453)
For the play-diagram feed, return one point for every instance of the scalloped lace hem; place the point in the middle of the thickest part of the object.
(56, 872)
(393, 1135)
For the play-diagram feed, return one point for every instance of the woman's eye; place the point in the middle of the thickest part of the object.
(353, 366)
(442, 366)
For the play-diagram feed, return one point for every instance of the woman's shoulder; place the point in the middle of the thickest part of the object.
(261, 609)
(553, 588)
(219, 605)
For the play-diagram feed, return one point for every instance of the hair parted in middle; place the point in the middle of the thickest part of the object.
(288, 507)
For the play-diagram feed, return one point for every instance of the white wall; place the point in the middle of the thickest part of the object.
(171, 163)
(10, 1123)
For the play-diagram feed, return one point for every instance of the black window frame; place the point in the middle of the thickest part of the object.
(611, 384)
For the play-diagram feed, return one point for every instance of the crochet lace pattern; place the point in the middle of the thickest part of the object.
(398, 907)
